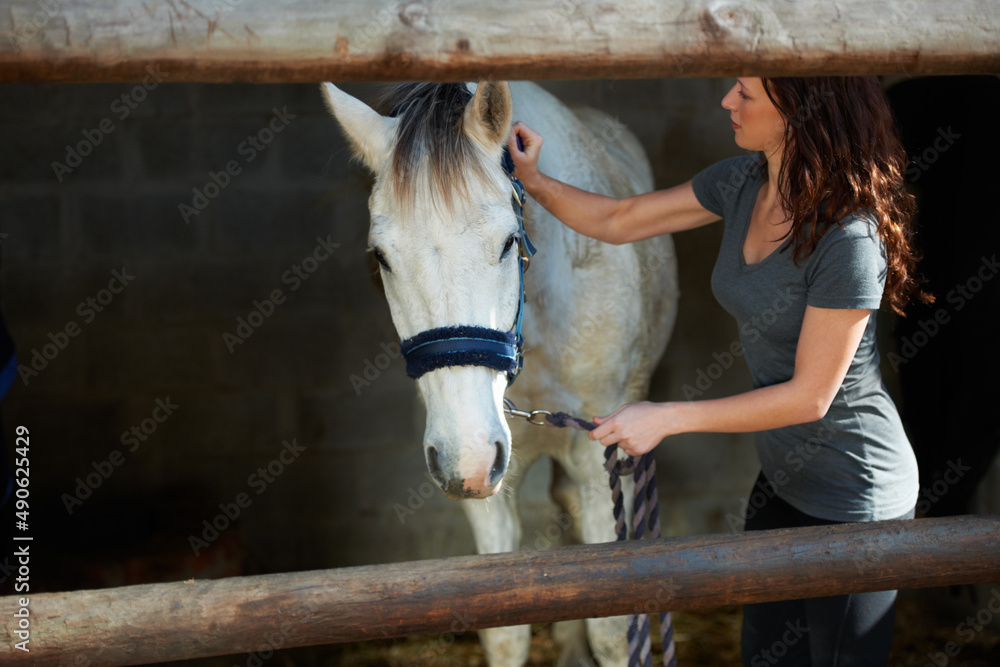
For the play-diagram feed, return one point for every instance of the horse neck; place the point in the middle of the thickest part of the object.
(564, 157)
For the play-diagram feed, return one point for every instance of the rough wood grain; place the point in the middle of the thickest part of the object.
(173, 621)
(355, 40)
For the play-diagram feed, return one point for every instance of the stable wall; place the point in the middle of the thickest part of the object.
(212, 414)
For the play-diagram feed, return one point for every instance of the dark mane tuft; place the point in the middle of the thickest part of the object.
(430, 134)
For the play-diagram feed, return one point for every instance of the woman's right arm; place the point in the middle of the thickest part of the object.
(598, 216)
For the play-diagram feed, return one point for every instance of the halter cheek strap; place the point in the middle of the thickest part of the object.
(472, 345)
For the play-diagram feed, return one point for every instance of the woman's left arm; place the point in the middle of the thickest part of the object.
(827, 343)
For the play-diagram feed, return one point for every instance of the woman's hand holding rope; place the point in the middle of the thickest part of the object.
(637, 427)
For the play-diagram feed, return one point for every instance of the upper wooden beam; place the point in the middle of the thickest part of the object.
(267, 41)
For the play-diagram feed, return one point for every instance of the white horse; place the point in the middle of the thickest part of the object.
(596, 320)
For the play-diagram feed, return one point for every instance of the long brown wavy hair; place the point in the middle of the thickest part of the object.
(843, 155)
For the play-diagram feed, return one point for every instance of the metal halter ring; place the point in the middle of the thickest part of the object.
(532, 417)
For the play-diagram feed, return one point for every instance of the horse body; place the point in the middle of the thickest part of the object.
(596, 319)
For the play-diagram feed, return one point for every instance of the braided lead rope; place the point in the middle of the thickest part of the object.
(653, 528)
(645, 511)
(666, 622)
(639, 517)
(617, 500)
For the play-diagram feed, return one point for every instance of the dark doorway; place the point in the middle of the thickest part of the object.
(947, 357)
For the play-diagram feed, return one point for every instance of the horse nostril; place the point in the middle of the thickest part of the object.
(434, 467)
(499, 464)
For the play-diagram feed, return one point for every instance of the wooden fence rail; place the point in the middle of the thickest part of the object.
(174, 621)
(376, 40)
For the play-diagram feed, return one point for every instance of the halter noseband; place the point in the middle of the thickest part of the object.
(473, 345)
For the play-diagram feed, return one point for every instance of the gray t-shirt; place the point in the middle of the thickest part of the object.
(854, 464)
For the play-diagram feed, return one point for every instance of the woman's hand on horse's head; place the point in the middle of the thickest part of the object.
(635, 427)
(525, 157)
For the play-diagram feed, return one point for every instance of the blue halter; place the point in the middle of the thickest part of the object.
(473, 345)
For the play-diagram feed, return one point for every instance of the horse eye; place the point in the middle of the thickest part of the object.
(380, 258)
(507, 246)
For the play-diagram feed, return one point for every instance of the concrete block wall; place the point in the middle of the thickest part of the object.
(160, 340)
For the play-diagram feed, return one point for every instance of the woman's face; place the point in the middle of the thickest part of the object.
(758, 124)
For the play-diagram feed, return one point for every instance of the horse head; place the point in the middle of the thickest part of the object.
(446, 240)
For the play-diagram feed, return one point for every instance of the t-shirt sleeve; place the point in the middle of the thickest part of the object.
(717, 186)
(848, 268)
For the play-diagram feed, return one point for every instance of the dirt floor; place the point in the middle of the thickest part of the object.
(927, 621)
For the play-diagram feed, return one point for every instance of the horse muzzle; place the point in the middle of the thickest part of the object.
(468, 471)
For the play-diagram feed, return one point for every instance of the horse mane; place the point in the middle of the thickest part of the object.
(431, 135)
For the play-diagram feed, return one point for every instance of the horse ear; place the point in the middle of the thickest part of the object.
(369, 133)
(488, 115)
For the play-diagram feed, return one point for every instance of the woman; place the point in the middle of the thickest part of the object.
(818, 222)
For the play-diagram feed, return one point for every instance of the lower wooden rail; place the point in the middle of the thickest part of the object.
(174, 621)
